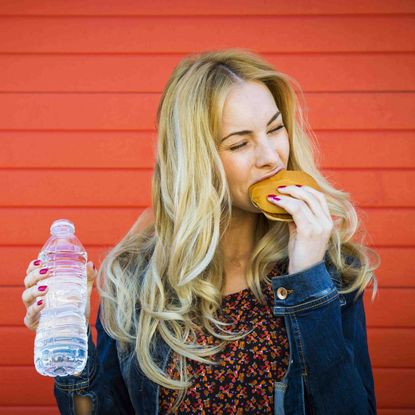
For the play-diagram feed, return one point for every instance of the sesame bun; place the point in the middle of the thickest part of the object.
(258, 192)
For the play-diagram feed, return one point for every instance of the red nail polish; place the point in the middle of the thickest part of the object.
(37, 262)
(40, 302)
(299, 185)
(280, 187)
(276, 198)
(43, 271)
(42, 287)
(271, 195)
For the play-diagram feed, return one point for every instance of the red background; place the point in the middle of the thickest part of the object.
(79, 86)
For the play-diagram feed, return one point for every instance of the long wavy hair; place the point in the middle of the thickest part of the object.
(167, 279)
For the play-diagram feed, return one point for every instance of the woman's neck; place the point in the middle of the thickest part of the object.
(237, 244)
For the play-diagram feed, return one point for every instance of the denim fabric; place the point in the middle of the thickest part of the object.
(329, 371)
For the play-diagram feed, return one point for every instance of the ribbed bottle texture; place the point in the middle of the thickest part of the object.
(61, 343)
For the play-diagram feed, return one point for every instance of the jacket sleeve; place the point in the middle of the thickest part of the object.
(101, 379)
(329, 332)
(355, 337)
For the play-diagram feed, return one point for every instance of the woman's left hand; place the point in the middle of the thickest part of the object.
(310, 232)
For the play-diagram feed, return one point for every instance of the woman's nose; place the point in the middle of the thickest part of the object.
(267, 153)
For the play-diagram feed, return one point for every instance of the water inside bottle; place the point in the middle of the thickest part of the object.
(61, 341)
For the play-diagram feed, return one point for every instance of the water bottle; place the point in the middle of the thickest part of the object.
(61, 343)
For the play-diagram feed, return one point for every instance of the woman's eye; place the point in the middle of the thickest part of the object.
(236, 147)
(270, 131)
(278, 128)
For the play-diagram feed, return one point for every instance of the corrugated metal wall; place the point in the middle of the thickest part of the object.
(79, 86)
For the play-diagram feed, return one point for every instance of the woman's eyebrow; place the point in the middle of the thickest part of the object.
(244, 132)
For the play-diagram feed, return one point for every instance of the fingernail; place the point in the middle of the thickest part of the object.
(281, 187)
(299, 185)
(42, 287)
(37, 262)
(275, 198)
(271, 195)
(40, 302)
(94, 266)
(43, 271)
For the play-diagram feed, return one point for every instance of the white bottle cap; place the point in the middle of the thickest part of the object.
(60, 226)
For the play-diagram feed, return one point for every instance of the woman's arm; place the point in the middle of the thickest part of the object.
(328, 333)
(99, 388)
(355, 337)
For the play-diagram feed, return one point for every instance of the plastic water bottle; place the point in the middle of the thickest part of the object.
(61, 343)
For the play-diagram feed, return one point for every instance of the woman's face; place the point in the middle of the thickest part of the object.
(259, 147)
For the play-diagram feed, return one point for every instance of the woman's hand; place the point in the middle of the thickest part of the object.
(36, 285)
(310, 232)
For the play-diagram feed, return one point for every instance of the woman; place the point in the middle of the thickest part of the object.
(207, 307)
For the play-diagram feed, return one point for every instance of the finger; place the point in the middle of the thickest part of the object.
(31, 319)
(298, 209)
(34, 264)
(321, 198)
(313, 198)
(35, 276)
(30, 295)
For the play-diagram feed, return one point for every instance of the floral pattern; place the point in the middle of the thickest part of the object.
(243, 382)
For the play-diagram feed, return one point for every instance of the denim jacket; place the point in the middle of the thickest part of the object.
(329, 370)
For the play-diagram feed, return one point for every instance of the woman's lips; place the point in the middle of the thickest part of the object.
(270, 174)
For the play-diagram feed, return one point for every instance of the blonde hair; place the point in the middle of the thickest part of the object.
(172, 271)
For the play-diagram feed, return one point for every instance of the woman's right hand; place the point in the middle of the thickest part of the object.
(36, 285)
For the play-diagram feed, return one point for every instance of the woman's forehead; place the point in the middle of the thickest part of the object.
(248, 101)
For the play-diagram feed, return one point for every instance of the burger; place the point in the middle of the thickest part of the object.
(259, 191)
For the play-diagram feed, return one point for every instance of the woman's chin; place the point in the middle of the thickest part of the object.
(247, 207)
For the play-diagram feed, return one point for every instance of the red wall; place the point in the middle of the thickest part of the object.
(80, 82)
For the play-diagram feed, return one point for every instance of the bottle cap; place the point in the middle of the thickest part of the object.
(60, 226)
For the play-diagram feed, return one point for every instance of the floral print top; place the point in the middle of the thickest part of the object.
(243, 383)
